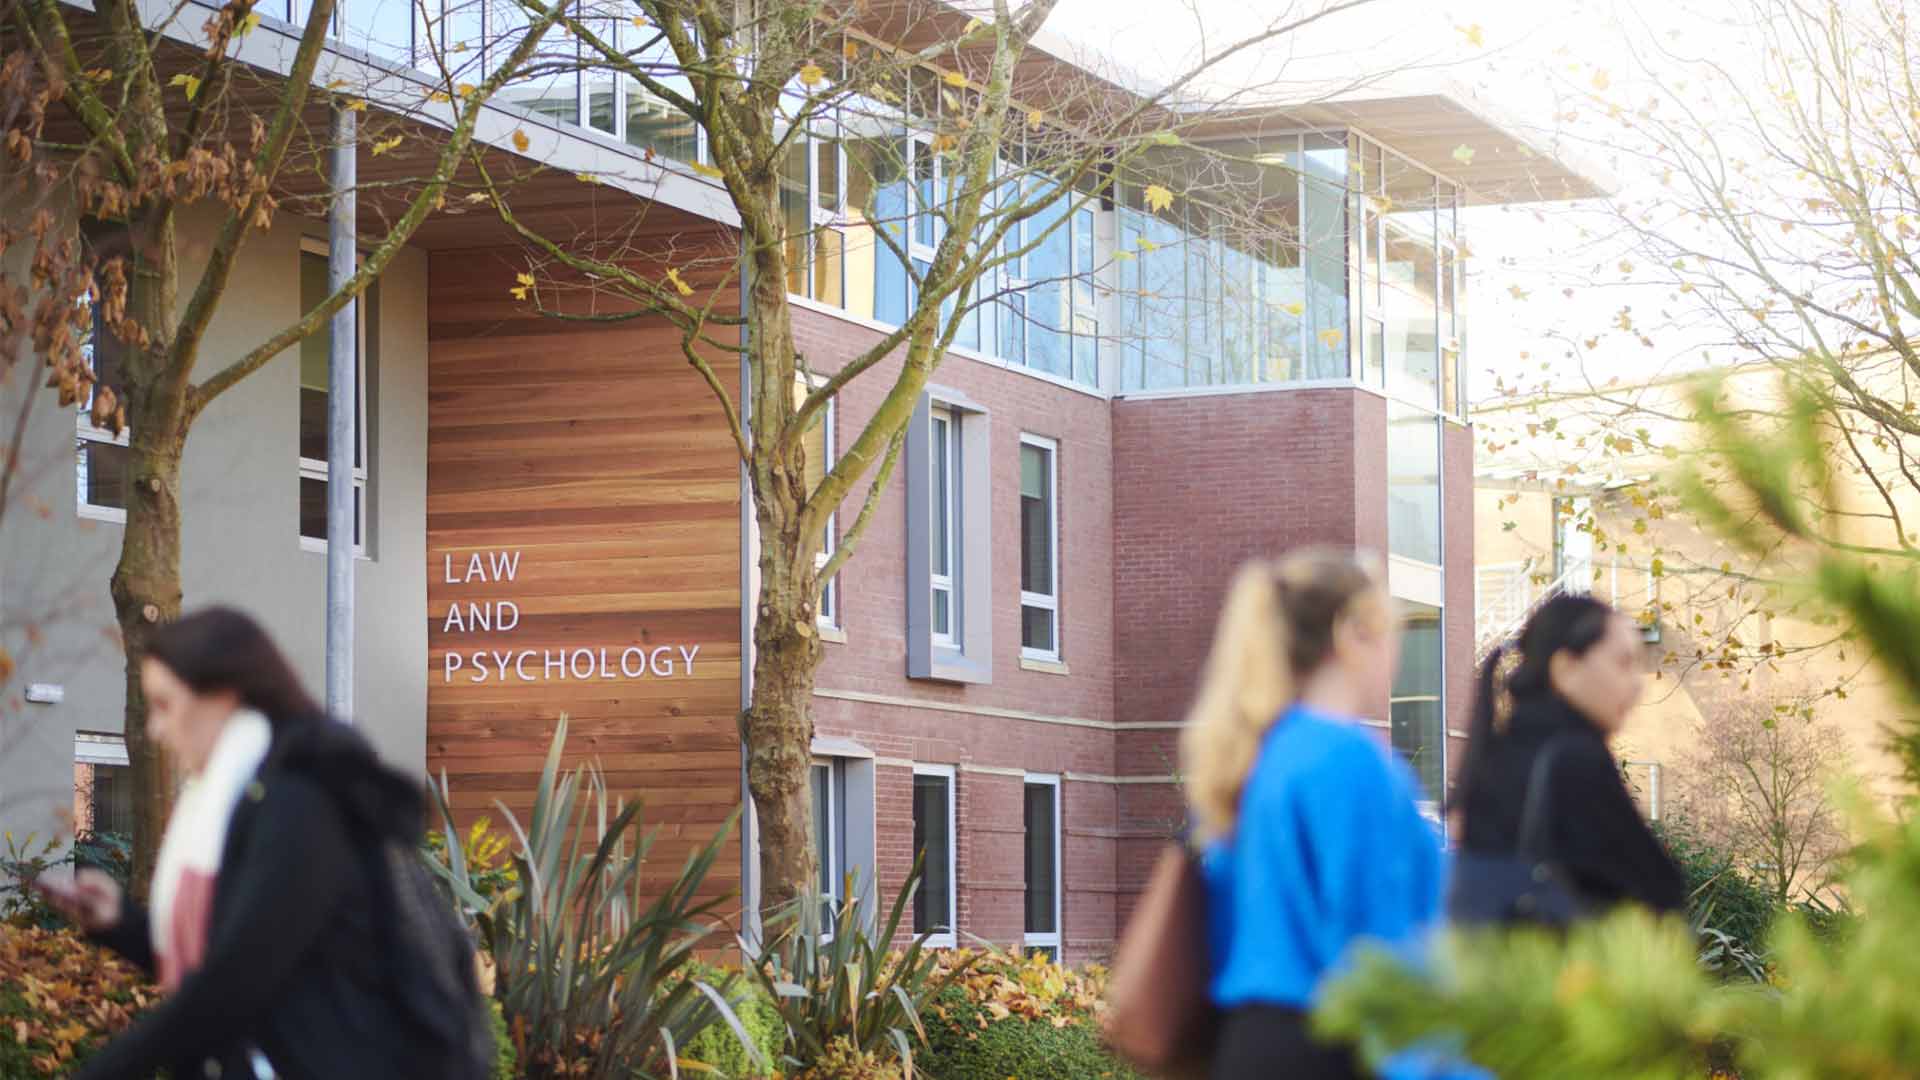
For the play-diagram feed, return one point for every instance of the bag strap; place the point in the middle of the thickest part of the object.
(1535, 829)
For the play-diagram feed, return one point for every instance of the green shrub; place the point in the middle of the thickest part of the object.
(969, 1041)
(717, 1046)
(506, 1064)
(1013, 1016)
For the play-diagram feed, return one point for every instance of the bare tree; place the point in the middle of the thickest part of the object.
(1756, 784)
(116, 123)
(1002, 146)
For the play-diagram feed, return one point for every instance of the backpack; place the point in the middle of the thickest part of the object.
(1526, 887)
(431, 964)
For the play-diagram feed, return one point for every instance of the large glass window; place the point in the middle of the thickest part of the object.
(102, 786)
(315, 363)
(1418, 720)
(935, 907)
(1039, 549)
(1043, 862)
(1413, 483)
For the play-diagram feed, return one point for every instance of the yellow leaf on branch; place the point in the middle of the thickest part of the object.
(440, 97)
(812, 75)
(707, 171)
(520, 140)
(850, 50)
(247, 25)
(639, 22)
(355, 105)
(1035, 118)
(466, 90)
(1295, 309)
(1158, 198)
(956, 80)
(523, 278)
(381, 146)
(679, 285)
(1601, 81)
(1463, 154)
(1475, 36)
(191, 83)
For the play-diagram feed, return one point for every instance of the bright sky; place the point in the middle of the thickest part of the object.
(1508, 51)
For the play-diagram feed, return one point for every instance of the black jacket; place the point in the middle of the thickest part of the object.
(295, 964)
(1594, 830)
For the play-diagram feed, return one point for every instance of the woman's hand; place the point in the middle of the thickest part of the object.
(90, 899)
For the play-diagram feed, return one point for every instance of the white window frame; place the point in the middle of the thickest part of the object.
(85, 431)
(1054, 939)
(833, 861)
(828, 617)
(951, 938)
(1044, 602)
(312, 469)
(949, 583)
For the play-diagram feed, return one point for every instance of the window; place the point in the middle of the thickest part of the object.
(945, 507)
(820, 449)
(1043, 863)
(1413, 484)
(100, 455)
(949, 559)
(102, 786)
(935, 908)
(314, 365)
(829, 837)
(1416, 713)
(1039, 549)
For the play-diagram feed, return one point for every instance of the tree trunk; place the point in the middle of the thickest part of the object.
(146, 595)
(779, 736)
(146, 582)
(778, 724)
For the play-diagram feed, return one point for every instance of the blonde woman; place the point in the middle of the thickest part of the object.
(1311, 837)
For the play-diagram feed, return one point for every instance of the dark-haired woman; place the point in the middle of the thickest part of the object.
(271, 905)
(1564, 690)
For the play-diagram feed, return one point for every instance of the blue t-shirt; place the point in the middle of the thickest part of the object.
(1330, 851)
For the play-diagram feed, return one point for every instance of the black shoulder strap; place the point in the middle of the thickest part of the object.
(1535, 825)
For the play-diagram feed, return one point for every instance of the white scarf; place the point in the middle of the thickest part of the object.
(189, 859)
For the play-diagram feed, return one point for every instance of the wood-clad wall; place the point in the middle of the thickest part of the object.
(599, 456)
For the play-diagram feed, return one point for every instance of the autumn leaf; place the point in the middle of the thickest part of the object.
(191, 83)
(525, 282)
(6, 665)
(247, 25)
(1517, 292)
(850, 50)
(707, 171)
(355, 105)
(956, 80)
(1158, 198)
(1035, 118)
(1475, 36)
(1295, 309)
(679, 286)
(466, 90)
(520, 140)
(381, 146)
(440, 97)
(586, 178)
(1463, 154)
(1601, 81)
(812, 75)
(944, 143)
(639, 22)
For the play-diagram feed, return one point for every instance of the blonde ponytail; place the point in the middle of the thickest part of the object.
(1276, 627)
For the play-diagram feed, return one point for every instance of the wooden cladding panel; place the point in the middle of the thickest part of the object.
(600, 459)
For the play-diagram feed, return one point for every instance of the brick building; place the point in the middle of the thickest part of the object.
(1012, 649)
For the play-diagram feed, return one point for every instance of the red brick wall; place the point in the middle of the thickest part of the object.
(873, 661)
(1201, 484)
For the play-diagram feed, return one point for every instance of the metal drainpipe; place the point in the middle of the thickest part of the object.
(343, 438)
